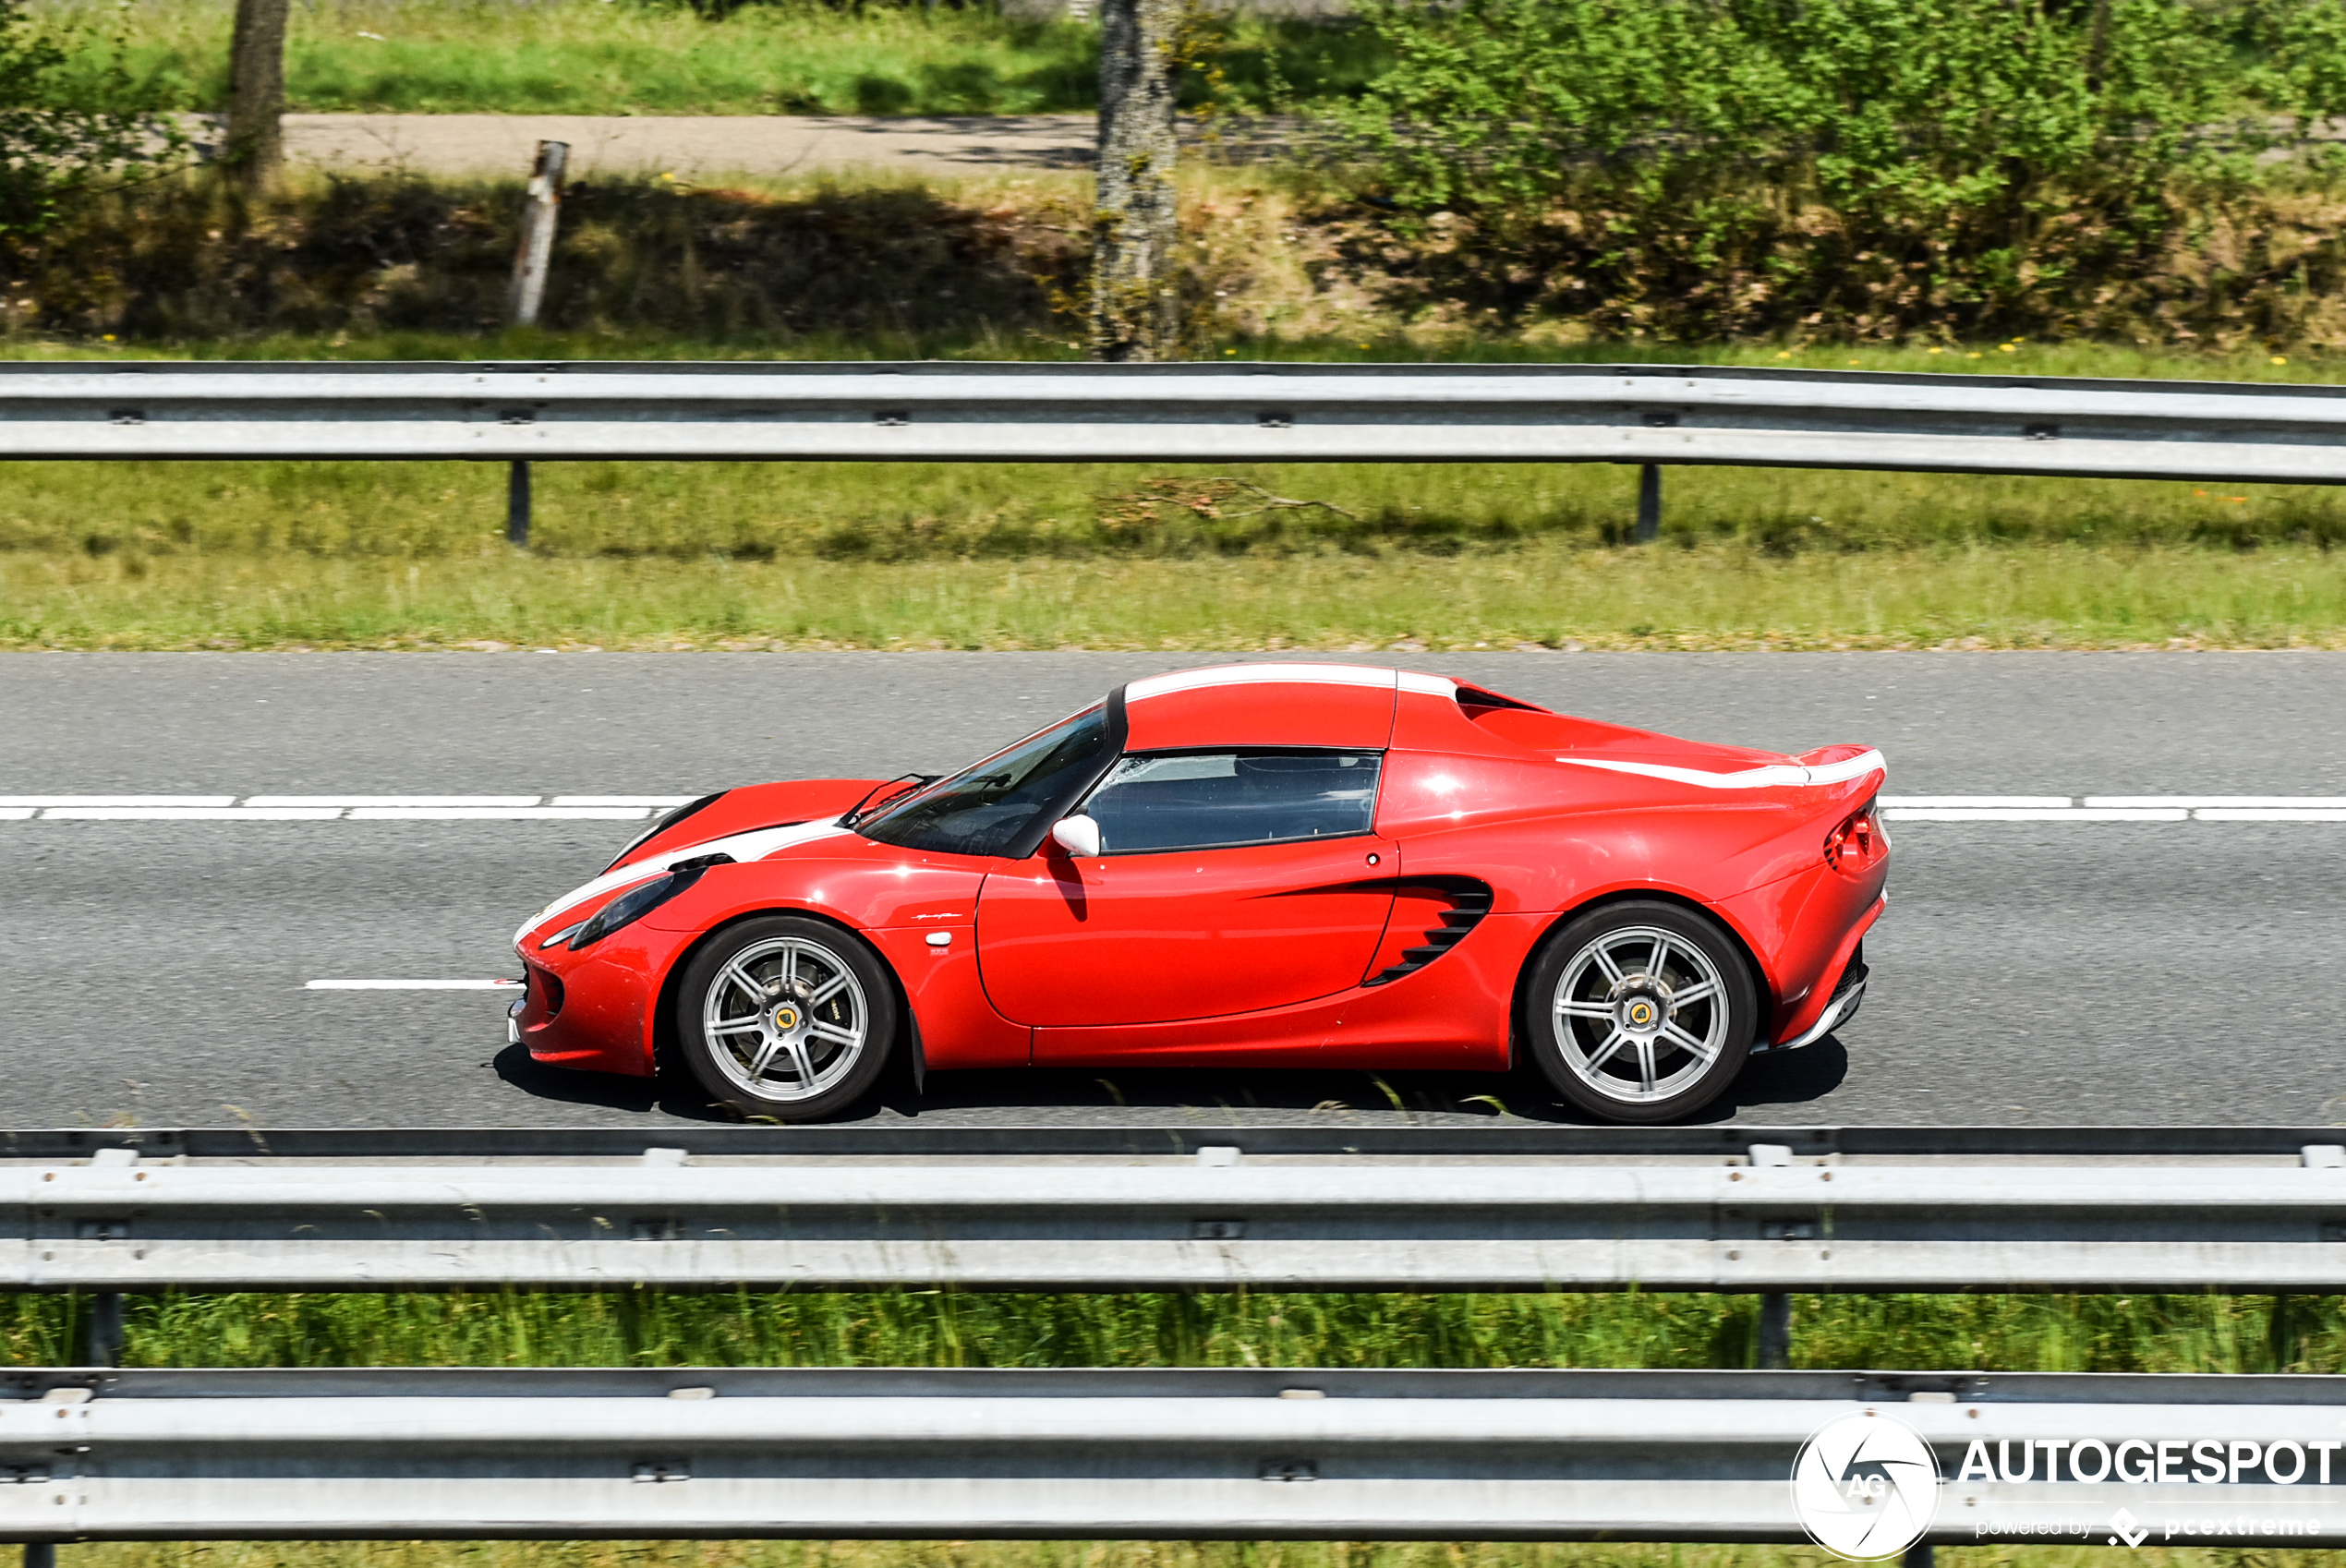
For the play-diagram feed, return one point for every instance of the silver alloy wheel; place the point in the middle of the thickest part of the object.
(785, 1019)
(1639, 1014)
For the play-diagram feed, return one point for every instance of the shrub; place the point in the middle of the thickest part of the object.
(1875, 167)
(69, 122)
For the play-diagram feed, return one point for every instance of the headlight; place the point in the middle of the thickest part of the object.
(637, 902)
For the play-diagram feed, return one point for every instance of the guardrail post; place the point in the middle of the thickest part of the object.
(538, 220)
(98, 1330)
(1918, 1555)
(517, 502)
(39, 1554)
(1775, 1331)
(1649, 503)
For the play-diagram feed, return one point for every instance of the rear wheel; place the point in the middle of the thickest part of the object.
(786, 1018)
(1640, 1011)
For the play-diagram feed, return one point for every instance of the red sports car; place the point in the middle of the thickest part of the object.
(1259, 865)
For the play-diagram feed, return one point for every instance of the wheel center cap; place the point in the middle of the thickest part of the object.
(1640, 1006)
(785, 1018)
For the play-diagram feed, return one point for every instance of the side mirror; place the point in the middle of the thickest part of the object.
(1079, 836)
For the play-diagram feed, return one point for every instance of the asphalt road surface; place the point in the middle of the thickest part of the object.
(2031, 972)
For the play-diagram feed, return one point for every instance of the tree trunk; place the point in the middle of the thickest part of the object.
(255, 145)
(1135, 315)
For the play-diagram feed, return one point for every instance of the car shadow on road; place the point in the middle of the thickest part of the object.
(668, 1094)
(1207, 1096)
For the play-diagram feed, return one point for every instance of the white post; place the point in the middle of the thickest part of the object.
(545, 202)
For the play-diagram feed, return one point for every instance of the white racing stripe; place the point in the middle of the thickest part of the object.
(1773, 776)
(413, 985)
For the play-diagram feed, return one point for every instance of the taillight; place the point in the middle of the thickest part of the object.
(1857, 842)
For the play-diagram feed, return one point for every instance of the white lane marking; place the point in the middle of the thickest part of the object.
(187, 814)
(499, 813)
(2271, 815)
(39, 801)
(1981, 813)
(345, 801)
(413, 985)
(2196, 802)
(2007, 803)
(650, 802)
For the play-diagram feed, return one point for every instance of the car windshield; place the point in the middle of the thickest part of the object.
(983, 809)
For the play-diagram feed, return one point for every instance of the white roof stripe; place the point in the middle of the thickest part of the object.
(1775, 775)
(1368, 675)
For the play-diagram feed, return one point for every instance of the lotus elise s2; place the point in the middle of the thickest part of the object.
(1259, 865)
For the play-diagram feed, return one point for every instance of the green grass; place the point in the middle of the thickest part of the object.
(645, 1328)
(1105, 1554)
(641, 1328)
(2316, 364)
(983, 556)
(1543, 594)
(656, 57)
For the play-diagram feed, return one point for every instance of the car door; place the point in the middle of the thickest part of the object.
(1229, 881)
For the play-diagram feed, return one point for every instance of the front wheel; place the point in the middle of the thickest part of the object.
(1640, 1012)
(786, 1019)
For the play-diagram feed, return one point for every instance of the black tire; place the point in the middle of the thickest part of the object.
(1621, 1052)
(787, 1061)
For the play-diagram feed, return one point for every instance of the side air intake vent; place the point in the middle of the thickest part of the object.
(1457, 905)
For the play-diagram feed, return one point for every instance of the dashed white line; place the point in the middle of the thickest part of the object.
(497, 814)
(2198, 802)
(42, 801)
(2274, 814)
(413, 985)
(348, 801)
(187, 814)
(1998, 814)
(650, 802)
(1999, 803)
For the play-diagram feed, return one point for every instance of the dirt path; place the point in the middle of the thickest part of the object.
(694, 147)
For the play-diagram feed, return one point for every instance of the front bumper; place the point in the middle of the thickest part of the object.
(594, 1009)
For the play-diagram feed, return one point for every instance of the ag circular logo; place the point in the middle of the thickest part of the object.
(1864, 1487)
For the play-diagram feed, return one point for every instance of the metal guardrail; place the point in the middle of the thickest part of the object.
(1633, 414)
(1765, 1219)
(926, 1138)
(1261, 1454)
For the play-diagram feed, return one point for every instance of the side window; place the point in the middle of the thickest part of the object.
(1219, 800)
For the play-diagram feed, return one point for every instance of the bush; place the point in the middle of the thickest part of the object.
(1874, 167)
(69, 122)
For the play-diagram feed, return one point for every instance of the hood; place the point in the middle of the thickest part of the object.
(738, 811)
(748, 823)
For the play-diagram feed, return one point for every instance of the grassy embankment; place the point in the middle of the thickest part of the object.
(660, 555)
(658, 57)
(651, 555)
